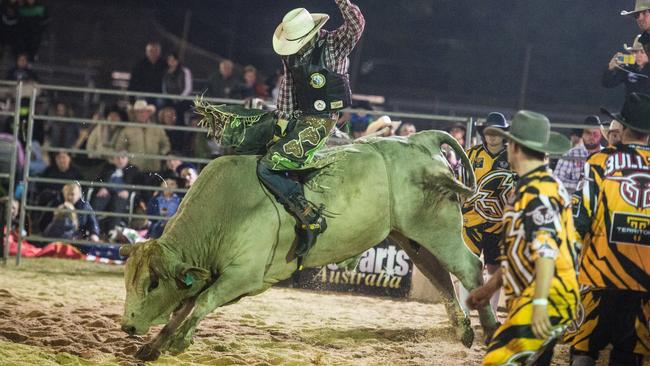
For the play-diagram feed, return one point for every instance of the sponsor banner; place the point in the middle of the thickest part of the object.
(384, 270)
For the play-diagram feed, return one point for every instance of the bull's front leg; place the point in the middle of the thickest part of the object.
(228, 288)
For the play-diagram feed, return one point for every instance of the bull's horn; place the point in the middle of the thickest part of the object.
(125, 250)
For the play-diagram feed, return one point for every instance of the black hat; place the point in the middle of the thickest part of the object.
(635, 113)
(180, 168)
(494, 119)
(592, 121)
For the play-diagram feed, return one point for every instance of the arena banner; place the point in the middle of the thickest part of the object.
(384, 270)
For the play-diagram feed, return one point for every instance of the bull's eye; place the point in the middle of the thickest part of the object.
(153, 284)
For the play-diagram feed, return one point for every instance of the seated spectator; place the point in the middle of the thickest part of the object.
(188, 174)
(570, 169)
(222, 83)
(115, 199)
(383, 127)
(163, 204)
(171, 164)
(49, 194)
(458, 132)
(22, 71)
(62, 134)
(612, 132)
(103, 138)
(406, 129)
(178, 139)
(635, 77)
(140, 140)
(251, 87)
(72, 224)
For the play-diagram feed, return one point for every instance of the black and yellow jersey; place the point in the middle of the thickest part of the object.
(539, 224)
(615, 218)
(494, 181)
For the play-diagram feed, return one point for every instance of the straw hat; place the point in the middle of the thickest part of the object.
(636, 45)
(141, 105)
(298, 27)
(533, 130)
(640, 5)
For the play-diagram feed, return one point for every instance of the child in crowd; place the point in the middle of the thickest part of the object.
(163, 204)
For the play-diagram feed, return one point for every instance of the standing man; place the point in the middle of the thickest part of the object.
(147, 74)
(316, 86)
(538, 249)
(570, 169)
(483, 212)
(635, 77)
(641, 13)
(614, 219)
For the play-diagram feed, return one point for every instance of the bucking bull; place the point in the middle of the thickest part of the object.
(230, 238)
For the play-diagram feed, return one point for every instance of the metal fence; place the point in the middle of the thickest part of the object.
(33, 118)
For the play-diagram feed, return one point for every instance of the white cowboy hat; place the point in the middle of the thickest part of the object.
(142, 104)
(636, 45)
(298, 27)
(640, 5)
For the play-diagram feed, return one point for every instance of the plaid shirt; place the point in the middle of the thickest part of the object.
(339, 44)
(570, 169)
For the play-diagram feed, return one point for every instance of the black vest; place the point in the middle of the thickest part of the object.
(319, 90)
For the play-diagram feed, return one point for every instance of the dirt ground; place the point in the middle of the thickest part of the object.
(66, 312)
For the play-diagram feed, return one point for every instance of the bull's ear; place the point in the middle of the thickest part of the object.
(186, 275)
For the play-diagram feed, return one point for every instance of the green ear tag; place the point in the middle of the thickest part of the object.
(188, 279)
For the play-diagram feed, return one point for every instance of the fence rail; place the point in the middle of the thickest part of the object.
(33, 118)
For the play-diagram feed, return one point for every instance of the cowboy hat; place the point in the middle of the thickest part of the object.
(640, 5)
(614, 125)
(142, 104)
(298, 27)
(533, 130)
(494, 119)
(636, 45)
(635, 113)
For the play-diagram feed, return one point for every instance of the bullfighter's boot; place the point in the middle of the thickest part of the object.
(311, 222)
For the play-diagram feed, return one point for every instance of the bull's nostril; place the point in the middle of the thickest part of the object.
(129, 329)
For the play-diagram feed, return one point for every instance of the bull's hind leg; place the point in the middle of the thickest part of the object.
(439, 231)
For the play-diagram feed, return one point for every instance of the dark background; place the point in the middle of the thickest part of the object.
(445, 56)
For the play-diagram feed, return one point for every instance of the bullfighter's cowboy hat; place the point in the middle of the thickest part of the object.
(298, 27)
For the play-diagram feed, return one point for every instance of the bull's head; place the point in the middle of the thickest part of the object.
(157, 283)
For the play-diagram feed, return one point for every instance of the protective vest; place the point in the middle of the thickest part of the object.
(319, 90)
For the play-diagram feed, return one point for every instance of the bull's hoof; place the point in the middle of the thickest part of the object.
(147, 353)
(489, 333)
(466, 333)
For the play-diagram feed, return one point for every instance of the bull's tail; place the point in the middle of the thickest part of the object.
(467, 187)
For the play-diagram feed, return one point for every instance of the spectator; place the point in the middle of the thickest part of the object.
(406, 129)
(115, 199)
(383, 127)
(141, 140)
(612, 132)
(32, 20)
(224, 82)
(570, 169)
(171, 164)
(62, 134)
(635, 77)
(178, 139)
(641, 13)
(251, 88)
(178, 81)
(188, 174)
(147, 74)
(103, 138)
(84, 224)
(22, 71)
(62, 169)
(163, 204)
(458, 132)
(9, 31)
(576, 137)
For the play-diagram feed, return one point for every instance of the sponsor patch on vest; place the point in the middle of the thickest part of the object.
(317, 80)
(337, 104)
(630, 229)
(478, 164)
(320, 105)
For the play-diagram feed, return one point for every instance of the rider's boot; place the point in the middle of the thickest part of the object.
(310, 224)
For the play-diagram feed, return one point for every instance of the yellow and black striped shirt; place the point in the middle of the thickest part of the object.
(615, 219)
(539, 224)
(495, 182)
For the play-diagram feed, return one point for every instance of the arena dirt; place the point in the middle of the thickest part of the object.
(65, 312)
